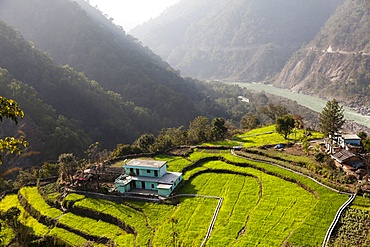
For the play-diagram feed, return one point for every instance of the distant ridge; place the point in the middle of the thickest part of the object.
(234, 39)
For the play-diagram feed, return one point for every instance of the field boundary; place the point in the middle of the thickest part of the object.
(336, 219)
(215, 214)
(291, 170)
(340, 210)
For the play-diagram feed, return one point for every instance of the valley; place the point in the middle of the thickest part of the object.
(310, 101)
(110, 138)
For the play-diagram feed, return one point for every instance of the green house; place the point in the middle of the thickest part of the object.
(148, 176)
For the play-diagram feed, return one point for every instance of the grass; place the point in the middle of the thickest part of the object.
(68, 237)
(24, 217)
(228, 143)
(258, 208)
(38, 229)
(124, 213)
(322, 212)
(361, 203)
(32, 195)
(268, 136)
(188, 223)
(279, 211)
(97, 228)
(174, 164)
(86, 225)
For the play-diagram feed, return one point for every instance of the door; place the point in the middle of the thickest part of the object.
(155, 173)
(143, 185)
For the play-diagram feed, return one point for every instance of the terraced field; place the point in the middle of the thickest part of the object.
(263, 205)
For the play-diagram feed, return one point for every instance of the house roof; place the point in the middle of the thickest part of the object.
(169, 177)
(350, 137)
(146, 163)
(342, 155)
(164, 186)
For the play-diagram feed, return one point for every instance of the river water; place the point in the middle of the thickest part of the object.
(311, 102)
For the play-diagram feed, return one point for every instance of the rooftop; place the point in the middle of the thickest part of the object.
(146, 163)
(350, 137)
(169, 177)
(342, 155)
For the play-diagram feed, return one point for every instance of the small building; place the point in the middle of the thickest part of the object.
(149, 175)
(350, 142)
(349, 162)
(339, 141)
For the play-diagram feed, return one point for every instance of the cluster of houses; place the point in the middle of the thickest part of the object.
(345, 150)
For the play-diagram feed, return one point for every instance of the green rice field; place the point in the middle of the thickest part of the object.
(263, 205)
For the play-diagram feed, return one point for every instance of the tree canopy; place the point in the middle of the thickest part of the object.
(331, 119)
(284, 125)
(9, 109)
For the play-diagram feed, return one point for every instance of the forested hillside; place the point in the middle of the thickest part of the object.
(104, 53)
(65, 110)
(122, 91)
(337, 62)
(234, 39)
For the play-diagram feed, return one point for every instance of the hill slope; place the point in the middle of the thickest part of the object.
(336, 63)
(234, 39)
(104, 53)
(67, 110)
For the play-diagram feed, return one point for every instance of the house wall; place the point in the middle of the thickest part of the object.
(123, 189)
(164, 192)
(163, 170)
(147, 185)
(146, 172)
(355, 142)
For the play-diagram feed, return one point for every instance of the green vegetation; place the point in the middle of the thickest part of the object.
(33, 197)
(268, 136)
(262, 203)
(331, 118)
(38, 229)
(352, 229)
(175, 164)
(9, 109)
(97, 228)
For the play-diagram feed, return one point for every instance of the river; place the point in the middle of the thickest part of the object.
(311, 102)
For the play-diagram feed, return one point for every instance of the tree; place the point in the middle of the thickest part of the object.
(199, 130)
(23, 235)
(67, 167)
(218, 129)
(249, 122)
(144, 142)
(331, 118)
(284, 125)
(274, 111)
(9, 109)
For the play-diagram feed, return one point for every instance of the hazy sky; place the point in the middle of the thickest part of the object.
(130, 13)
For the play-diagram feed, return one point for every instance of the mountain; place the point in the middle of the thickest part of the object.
(248, 40)
(65, 111)
(75, 33)
(336, 63)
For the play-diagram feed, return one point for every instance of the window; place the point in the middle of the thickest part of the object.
(152, 186)
(147, 171)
